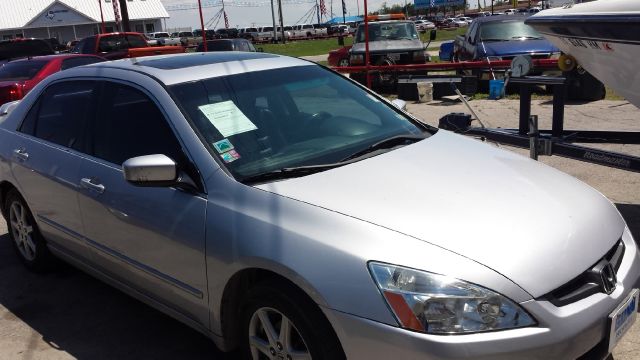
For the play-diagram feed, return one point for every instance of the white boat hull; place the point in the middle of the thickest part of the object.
(615, 64)
(603, 36)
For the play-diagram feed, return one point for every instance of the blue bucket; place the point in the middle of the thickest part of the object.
(496, 89)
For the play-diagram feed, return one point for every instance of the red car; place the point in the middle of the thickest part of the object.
(339, 57)
(18, 77)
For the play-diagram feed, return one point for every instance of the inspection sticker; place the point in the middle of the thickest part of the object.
(223, 145)
(230, 156)
(227, 118)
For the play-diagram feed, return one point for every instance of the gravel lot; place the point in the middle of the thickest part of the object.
(68, 314)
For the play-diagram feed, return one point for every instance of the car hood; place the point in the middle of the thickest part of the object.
(389, 45)
(529, 222)
(516, 47)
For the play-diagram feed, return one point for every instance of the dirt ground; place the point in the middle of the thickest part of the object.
(67, 314)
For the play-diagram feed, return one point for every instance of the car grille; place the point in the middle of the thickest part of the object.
(589, 282)
(379, 59)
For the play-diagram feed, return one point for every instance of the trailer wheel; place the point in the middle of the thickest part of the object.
(586, 87)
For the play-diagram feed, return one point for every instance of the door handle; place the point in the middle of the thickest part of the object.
(89, 184)
(21, 154)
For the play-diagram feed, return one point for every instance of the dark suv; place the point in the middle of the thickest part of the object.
(20, 48)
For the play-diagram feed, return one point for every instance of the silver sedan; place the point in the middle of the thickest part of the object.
(285, 211)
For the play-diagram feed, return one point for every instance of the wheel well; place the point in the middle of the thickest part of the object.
(235, 290)
(5, 187)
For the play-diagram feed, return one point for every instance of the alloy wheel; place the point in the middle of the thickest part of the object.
(273, 336)
(22, 230)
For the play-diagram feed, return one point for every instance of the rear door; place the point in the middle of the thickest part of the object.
(150, 238)
(47, 159)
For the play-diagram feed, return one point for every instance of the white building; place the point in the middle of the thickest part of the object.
(68, 20)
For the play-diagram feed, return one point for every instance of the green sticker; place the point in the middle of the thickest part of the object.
(230, 156)
(223, 145)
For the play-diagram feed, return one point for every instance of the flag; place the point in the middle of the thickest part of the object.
(116, 12)
(226, 19)
(323, 8)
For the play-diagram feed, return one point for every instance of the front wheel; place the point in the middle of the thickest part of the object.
(281, 323)
(25, 235)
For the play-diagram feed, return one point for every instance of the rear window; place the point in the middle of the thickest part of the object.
(20, 70)
(24, 48)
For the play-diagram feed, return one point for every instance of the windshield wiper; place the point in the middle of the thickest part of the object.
(289, 172)
(386, 144)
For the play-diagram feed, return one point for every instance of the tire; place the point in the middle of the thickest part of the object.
(25, 235)
(588, 88)
(277, 303)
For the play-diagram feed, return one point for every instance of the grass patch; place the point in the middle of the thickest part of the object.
(444, 34)
(305, 47)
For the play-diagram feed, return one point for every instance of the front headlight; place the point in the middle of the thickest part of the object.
(555, 56)
(437, 304)
(356, 59)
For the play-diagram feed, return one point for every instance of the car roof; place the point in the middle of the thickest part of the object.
(54, 57)
(170, 69)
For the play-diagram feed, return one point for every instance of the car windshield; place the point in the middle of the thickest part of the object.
(20, 70)
(259, 122)
(389, 31)
(507, 30)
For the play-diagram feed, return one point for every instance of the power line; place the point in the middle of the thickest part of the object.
(235, 3)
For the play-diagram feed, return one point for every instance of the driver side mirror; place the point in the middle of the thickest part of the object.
(400, 104)
(150, 170)
(432, 35)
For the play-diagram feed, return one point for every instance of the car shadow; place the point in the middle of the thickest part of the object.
(88, 319)
(631, 214)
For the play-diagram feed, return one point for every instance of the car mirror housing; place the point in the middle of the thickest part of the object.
(150, 170)
(400, 104)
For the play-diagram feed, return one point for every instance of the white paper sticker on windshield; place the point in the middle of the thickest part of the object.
(227, 118)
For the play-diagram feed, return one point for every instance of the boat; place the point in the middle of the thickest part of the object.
(604, 38)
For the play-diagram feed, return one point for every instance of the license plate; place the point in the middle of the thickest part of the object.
(622, 318)
(394, 56)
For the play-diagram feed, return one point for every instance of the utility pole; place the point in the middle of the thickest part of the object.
(318, 11)
(204, 34)
(281, 21)
(102, 30)
(273, 17)
(125, 15)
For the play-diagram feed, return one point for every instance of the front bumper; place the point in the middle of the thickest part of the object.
(566, 332)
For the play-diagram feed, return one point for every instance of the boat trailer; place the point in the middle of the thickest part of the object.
(557, 141)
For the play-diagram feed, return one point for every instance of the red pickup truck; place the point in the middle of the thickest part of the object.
(113, 46)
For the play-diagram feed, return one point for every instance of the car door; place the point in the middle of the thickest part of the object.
(47, 158)
(149, 238)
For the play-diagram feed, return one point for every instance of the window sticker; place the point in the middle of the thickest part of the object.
(227, 118)
(223, 145)
(230, 156)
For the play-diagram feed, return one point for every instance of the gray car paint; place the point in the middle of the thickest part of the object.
(278, 226)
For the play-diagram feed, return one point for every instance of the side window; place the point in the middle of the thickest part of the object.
(242, 46)
(86, 46)
(130, 124)
(79, 61)
(473, 30)
(61, 114)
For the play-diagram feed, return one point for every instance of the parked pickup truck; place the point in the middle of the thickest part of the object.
(113, 46)
(391, 42)
(163, 38)
(503, 38)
